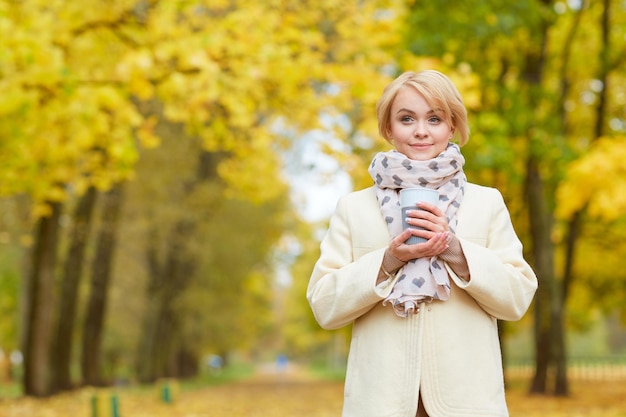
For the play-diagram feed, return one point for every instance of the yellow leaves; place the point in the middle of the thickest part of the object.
(174, 87)
(80, 139)
(252, 173)
(267, 394)
(108, 97)
(75, 74)
(197, 60)
(146, 135)
(14, 98)
(135, 69)
(597, 179)
(41, 209)
(290, 393)
(240, 109)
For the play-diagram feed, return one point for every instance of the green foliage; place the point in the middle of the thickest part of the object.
(14, 241)
(556, 121)
(9, 301)
(475, 23)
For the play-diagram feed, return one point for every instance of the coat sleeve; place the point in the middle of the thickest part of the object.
(501, 281)
(343, 286)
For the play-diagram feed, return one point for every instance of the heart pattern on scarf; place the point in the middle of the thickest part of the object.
(422, 279)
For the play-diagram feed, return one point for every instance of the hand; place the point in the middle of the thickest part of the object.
(436, 230)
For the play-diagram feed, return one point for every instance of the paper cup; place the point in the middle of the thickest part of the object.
(409, 197)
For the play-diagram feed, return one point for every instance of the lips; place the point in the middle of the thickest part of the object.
(421, 146)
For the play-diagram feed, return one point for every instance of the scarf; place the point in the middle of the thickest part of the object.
(422, 279)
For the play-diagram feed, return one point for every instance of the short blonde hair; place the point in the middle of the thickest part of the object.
(438, 91)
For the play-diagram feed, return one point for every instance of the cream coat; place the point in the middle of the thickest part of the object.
(450, 350)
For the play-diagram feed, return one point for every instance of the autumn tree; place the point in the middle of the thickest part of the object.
(47, 96)
(76, 80)
(534, 118)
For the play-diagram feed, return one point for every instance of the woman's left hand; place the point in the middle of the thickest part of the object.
(430, 218)
(436, 231)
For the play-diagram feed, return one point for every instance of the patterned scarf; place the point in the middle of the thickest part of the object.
(422, 279)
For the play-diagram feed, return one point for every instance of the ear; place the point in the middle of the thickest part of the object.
(389, 137)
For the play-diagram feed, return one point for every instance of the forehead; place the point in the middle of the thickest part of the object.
(409, 98)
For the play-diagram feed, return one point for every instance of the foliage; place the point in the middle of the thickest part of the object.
(550, 87)
(200, 60)
(303, 336)
(72, 115)
(95, 92)
(10, 279)
(597, 180)
(88, 90)
(9, 289)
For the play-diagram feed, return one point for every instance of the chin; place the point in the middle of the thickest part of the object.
(421, 157)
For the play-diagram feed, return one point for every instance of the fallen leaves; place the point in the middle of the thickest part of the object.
(283, 395)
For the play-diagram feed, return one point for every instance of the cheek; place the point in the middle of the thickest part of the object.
(398, 130)
(442, 145)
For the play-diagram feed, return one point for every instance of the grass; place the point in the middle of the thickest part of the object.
(326, 373)
(13, 390)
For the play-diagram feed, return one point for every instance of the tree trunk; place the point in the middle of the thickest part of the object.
(187, 364)
(40, 308)
(549, 332)
(62, 349)
(561, 385)
(159, 342)
(100, 278)
(146, 371)
(542, 249)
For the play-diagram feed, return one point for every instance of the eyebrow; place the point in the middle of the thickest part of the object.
(412, 112)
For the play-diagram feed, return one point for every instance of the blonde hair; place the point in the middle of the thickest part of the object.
(438, 91)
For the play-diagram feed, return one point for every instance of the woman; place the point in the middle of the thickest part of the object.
(424, 315)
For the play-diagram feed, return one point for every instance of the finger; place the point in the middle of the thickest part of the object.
(427, 220)
(432, 216)
(399, 248)
(431, 224)
(441, 240)
(433, 208)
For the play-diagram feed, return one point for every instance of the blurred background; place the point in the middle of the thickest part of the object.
(168, 168)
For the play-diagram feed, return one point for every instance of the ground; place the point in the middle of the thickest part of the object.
(286, 394)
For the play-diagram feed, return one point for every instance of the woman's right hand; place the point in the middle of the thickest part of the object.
(432, 247)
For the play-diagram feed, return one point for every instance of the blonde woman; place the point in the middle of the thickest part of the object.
(424, 338)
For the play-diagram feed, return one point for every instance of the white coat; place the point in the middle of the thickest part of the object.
(449, 352)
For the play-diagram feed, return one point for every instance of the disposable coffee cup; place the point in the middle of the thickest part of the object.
(409, 197)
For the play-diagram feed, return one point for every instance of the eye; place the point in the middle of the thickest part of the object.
(406, 119)
(434, 120)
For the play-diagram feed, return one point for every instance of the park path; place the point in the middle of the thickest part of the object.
(269, 393)
(294, 393)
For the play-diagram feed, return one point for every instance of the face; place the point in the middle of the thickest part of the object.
(417, 130)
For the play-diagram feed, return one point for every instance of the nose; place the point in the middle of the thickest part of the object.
(420, 130)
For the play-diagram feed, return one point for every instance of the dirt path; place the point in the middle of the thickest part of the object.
(268, 394)
(292, 393)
